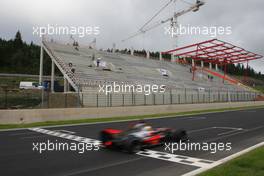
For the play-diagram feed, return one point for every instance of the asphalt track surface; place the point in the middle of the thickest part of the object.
(243, 129)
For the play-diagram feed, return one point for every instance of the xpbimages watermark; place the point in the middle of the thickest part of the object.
(51, 146)
(80, 31)
(211, 147)
(211, 31)
(147, 89)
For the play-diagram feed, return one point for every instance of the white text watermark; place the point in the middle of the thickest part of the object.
(211, 31)
(48, 145)
(80, 31)
(146, 89)
(212, 147)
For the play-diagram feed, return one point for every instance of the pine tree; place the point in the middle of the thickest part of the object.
(18, 40)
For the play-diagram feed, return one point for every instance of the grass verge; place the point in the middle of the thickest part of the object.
(249, 164)
(260, 88)
(123, 118)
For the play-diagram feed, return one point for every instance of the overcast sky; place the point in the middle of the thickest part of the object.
(117, 19)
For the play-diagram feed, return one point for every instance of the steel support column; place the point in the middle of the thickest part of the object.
(41, 63)
(160, 56)
(52, 76)
(66, 85)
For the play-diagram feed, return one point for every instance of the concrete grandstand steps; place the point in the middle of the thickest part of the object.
(128, 69)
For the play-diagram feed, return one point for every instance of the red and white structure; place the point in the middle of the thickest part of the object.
(215, 52)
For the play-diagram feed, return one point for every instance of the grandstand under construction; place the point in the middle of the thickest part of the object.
(192, 75)
(80, 70)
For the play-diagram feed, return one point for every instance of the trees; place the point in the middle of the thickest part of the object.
(20, 57)
(241, 70)
(18, 43)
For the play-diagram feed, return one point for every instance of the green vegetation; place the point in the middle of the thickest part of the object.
(12, 97)
(19, 99)
(124, 118)
(260, 88)
(13, 82)
(249, 164)
(20, 57)
(240, 70)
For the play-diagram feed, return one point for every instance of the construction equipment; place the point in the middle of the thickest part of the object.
(146, 27)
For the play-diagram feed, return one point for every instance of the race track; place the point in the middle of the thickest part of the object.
(242, 129)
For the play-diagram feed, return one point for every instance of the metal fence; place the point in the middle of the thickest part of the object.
(180, 97)
(18, 99)
(34, 99)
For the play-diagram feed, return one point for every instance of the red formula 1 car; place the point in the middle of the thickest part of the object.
(140, 136)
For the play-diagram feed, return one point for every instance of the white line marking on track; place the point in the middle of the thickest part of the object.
(228, 132)
(233, 134)
(65, 131)
(67, 136)
(198, 162)
(198, 130)
(227, 128)
(196, 118)
(202, 164)
(209, 128)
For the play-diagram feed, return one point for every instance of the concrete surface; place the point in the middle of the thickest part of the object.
(41, 115)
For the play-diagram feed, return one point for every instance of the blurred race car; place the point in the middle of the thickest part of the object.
(140, 136)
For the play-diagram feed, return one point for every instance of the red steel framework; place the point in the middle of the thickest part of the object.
(216, 52)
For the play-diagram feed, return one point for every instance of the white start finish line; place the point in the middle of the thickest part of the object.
(197, 162)
(66, 136)
(202, 164)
